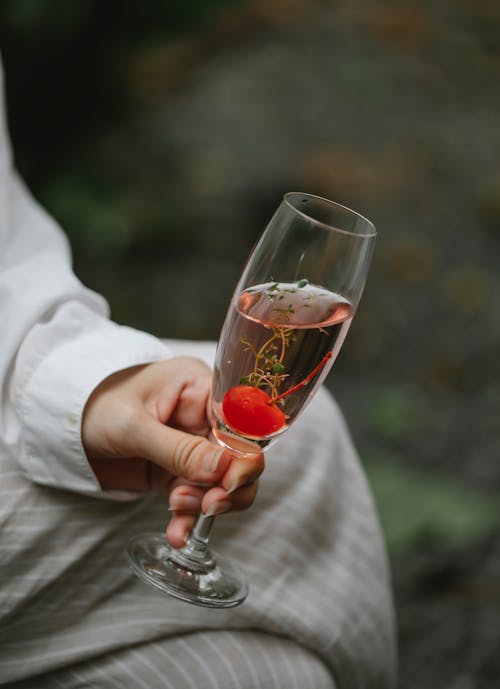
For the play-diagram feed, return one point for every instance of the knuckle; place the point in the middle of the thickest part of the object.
(187, 454)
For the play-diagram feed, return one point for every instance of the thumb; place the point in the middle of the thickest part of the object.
(189, 456)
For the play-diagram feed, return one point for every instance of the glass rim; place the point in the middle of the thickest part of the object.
(369, 233)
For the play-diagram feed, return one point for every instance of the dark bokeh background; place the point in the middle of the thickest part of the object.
(162, 135)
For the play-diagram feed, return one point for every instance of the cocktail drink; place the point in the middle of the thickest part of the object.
(278, 342)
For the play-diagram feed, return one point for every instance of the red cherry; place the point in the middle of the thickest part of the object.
(249, 410)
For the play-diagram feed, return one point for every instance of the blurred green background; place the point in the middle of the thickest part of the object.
(162, 136)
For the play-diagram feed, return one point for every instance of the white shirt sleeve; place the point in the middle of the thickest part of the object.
(56, 340)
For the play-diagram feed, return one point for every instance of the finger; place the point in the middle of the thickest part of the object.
(183, 393)
(190, 412)
(217, 500)
(182, 454)
(241, 471)
(186, 499)
(179, 528)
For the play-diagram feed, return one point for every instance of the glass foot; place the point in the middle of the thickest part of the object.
(212, 582)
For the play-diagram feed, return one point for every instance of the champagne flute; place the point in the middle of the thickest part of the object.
(285, 326)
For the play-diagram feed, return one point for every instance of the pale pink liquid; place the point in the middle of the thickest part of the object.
(317, 322)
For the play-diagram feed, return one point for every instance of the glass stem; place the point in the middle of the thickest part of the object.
(196, 555)
(198, 541)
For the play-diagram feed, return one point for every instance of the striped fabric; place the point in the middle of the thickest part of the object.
(319, 613)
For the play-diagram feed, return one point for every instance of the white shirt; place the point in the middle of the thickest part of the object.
(56, 340)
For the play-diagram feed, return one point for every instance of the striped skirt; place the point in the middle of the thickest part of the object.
(319, 613)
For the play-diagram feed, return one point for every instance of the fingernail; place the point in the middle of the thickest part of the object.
(234, 486)
(218, 508)
(187, 503)
(215, 460)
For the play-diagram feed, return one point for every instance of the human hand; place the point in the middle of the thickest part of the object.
(146, 427)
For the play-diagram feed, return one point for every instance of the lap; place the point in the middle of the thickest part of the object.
(203, 660)
(311, 548)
